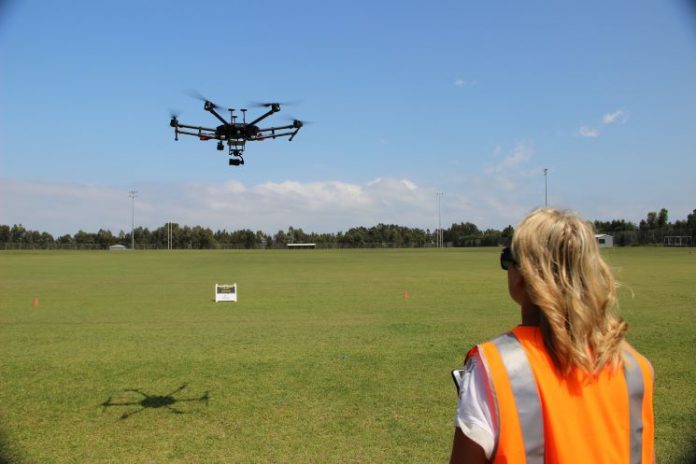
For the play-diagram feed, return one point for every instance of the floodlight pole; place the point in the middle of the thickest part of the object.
(546, 187)
(132, 194)
(440, 236)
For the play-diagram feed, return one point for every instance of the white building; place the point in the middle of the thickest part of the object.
(604, 240)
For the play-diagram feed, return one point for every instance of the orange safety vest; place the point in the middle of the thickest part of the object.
(546, 417)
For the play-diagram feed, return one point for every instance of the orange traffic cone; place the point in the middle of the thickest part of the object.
(35, 302)
(405, 295)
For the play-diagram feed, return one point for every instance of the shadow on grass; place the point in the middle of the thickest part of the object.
(147, 401)
(6, 455)
(690, 452)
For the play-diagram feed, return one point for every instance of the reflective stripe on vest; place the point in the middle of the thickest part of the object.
(528, 403)
(636, 390)
(526, 396)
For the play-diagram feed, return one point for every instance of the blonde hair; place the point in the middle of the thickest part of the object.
(573, 287)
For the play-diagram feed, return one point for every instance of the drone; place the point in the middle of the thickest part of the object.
(234, 133)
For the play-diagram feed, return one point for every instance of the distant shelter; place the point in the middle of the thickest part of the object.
(301, 246)
(604, 240)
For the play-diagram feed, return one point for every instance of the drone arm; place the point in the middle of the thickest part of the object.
(270, 132)
(200, 134)
(215, 113)
(277, 128)
(263, 116)
(198, 128)
(290, 134)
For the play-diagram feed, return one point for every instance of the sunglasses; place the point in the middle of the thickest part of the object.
(506, 258)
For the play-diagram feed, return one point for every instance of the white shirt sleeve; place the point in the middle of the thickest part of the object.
(476, 415)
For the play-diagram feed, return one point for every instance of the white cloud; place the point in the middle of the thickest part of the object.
(617, 116)
(317, 206)
(588, 132)
(522, 153)
(505, 176)
(497, 195)
(408, 184)
(464, 82)
(608, 119)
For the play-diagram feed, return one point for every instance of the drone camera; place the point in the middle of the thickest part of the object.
(220, 146)
(236, 162)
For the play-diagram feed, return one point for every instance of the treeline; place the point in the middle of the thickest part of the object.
(651, 230)
(654, 229)
(197, 237)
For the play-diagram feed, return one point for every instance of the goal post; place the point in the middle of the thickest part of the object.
(677, 240)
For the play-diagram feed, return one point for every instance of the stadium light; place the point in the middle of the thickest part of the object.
(440, 236)
(132, 194)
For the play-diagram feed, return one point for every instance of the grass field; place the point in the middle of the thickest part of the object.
(323, 359)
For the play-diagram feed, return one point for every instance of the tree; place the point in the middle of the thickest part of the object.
(183, 237)
(280, 238)
(83, 238)
(245, 237)
(507, 233)
(261, 239)
(662, 218)
(463, 234)
(222, 237)
(691, 220)
(32, 237)
(17, 233)
(651, 220)
(202, 238)
(4, 233)
(105, 238)
(65, 239)
(491, 237)
(46, 240)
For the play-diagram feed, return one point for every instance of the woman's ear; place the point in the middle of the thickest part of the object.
(520, 282)
(517, 286)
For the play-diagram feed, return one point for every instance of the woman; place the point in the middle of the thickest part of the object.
(564, 386)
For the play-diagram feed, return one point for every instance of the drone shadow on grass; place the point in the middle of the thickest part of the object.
(147, 401)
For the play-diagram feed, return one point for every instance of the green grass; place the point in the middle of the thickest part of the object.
(321, 360)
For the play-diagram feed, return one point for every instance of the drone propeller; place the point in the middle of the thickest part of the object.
(300, 122)
(195, 94)
(269, 104)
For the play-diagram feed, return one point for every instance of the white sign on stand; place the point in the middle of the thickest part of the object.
(226, 292)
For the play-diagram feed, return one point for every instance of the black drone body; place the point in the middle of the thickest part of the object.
(237, 134)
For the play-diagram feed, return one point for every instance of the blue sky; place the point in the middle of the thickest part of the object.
(473, 99)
